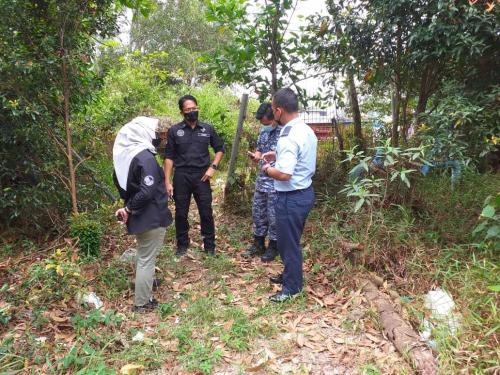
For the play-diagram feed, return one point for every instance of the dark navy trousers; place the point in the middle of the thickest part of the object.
(292, 210)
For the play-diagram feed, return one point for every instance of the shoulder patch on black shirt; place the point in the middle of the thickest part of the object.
(285, 131)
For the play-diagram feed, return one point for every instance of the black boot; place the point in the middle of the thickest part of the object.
(258, 247)
(271, 252)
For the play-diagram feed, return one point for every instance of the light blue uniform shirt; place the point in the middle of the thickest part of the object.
(296, 155)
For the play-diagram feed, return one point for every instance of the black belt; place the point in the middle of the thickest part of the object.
(294, 191)
(191, 169)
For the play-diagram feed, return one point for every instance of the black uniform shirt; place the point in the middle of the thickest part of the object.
(146, 195)
(188, 147)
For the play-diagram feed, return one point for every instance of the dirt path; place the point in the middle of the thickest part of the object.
(320, 332)
(214, 316)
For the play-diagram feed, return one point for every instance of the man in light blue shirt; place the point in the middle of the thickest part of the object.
(295, 165)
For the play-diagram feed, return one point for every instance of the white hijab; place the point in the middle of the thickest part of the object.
(132, 138)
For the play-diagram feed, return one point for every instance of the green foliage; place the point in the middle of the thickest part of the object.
(488, 229)
(95, 319)
(410, 50)
(450, 216)
(112, 280)
(165, 309)
(177, 32)
(5, 314)
(10, 361)
(56, 278)
(395, 165)
(201, 357)
(35, 39)
(88, 232)
(259, 43)
(464, 126)
(469, 275)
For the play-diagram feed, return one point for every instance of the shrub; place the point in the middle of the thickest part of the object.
(450, 215)
(88, 232)
(488, 228)
(57, 278)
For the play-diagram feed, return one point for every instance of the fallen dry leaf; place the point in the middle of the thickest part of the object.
(330, 300)
(228, 324)
(373, 338)
(258, 367)
(300, 340)
(55, 316)
(130, 369)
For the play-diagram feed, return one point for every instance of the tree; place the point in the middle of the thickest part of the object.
(46, 69)
(410, 46)
(177, 29)
(336, 42)
(263, 52)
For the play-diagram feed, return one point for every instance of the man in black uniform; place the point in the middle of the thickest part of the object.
(187, 152)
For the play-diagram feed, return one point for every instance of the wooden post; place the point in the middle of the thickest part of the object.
(236, 143)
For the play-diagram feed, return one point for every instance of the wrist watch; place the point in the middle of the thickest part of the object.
(127, 209)
(265, 170)
(214, 166)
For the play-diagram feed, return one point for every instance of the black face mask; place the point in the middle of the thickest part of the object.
(191, 116)
(156, 142)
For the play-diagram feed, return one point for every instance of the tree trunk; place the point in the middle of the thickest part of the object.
(396, 103)
(275, 48)
(396, 95)
(404, 338)
(336, 133)
(404, 108)
(356, 114)
(428, 84)
(69, 153)
(236, 144)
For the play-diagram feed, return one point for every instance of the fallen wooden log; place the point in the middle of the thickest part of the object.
(379, 282)
(402, 335)
(350, 246)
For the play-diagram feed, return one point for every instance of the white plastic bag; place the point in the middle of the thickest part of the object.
(442, 315)
(90, 299)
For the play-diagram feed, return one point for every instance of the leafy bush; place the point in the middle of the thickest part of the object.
(57, 278)
(88, 232)
(488, 228)
(5, 314)
(378, 178)
(112, 280)
(464, 126)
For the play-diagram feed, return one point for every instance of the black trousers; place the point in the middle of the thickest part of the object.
(187, 182)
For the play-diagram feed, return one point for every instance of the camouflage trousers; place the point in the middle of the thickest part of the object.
(264, 214)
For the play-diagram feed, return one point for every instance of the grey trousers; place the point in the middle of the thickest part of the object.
(148, 246)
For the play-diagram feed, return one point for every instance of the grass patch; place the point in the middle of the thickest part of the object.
(468, 275)
(112, 280)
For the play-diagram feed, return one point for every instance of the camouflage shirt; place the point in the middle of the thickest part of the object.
(267, 141)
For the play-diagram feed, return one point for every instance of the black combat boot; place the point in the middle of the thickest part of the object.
(271, 252)
(258, 247)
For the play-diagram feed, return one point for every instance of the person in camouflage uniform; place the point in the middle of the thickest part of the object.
(264, 198)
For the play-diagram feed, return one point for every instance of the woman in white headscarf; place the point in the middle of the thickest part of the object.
(140, 182)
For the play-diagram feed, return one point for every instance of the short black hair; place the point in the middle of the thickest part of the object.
(286, 99)
(265, 110)
(184, 99)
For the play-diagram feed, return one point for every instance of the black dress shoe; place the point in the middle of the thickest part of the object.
(277, 279)
(271, 252)
(181, 251)
(281, 297)
(148, 307)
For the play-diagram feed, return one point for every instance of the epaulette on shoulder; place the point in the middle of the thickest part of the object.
(285, 131)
